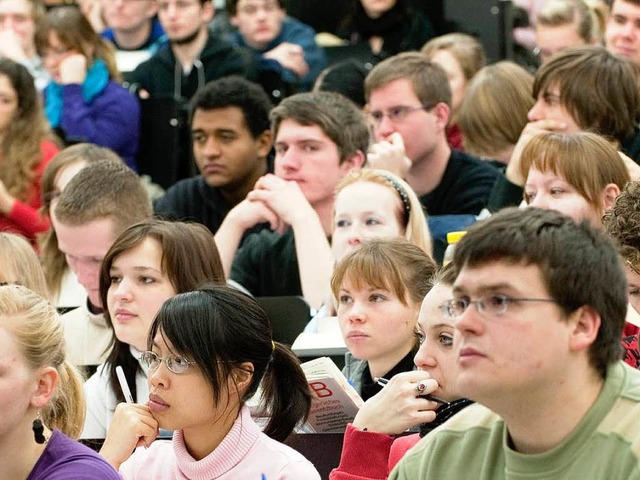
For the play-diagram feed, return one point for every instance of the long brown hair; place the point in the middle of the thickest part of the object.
(189, 258)
(20, 150)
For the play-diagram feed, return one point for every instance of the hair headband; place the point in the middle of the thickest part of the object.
(404, 196)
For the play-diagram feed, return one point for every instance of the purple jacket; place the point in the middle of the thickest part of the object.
(112, 120)
(66, 459)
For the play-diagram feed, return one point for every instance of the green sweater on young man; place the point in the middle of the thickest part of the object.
(474, 444)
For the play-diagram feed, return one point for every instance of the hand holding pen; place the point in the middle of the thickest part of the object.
(132, 426)
(397, 407)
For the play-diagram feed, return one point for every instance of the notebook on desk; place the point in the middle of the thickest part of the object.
(328, 341)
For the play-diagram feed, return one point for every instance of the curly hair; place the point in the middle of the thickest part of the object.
(622, 222)
(20, 148)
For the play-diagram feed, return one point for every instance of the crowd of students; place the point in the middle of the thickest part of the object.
(508, 361)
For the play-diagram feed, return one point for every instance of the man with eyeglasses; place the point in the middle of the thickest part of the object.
(539, 306)
(283, 46)
(409, 104)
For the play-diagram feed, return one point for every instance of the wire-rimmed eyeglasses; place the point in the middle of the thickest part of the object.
(174, 363)
(493, 304)
(397, 114)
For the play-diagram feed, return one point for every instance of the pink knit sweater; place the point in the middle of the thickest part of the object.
(245, 453)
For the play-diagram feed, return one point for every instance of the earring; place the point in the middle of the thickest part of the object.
(38, 430)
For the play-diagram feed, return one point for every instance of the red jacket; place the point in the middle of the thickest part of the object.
(366, 455)
(24, 218)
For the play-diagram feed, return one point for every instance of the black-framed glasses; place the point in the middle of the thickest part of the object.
(397, 114)
(174, 363)
(493, 304)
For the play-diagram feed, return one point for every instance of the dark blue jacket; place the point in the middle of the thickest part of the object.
(298, 33)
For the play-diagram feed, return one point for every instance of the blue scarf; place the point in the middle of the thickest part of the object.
(93, 85)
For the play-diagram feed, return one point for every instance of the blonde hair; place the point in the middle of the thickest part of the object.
(588, 18)
(494, 111)
(416, 228)
(20, 148)
(20, 264)
(588, 162)
(465, 49)
(37, 331)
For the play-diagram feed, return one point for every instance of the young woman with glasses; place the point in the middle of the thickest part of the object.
(208, 351)
(84, 102)
(148, 263)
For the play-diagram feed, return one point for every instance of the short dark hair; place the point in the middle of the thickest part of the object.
(220, 328)
(236, 91)
(337, 116)
(579, 265)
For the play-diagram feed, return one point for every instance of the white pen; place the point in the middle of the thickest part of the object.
(123, 384)
(126, 391)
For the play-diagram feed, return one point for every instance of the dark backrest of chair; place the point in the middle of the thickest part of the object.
(321, 449)
(288, 316)
(490, 21)
(165, 141)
